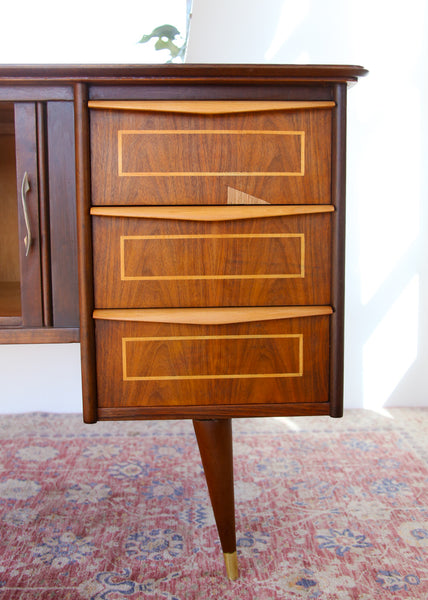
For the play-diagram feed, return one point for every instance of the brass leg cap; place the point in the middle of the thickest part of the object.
(231, 562)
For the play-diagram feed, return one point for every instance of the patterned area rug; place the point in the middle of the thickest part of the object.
(331, 509)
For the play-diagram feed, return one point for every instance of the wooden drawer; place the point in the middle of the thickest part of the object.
(211, 257)
(206, 360)
(210, 153)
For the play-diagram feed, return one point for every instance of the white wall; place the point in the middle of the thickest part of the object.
(386, 358)
(40, 377)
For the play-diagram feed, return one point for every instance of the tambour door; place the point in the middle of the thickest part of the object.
(159, 358)
(211, 256)
(153, 153)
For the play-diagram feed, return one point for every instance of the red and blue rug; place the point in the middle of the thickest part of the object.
(326, 509)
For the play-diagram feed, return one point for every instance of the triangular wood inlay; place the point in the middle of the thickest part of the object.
(238, 197)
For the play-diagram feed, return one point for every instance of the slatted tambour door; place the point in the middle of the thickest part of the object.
(210, 153)
(212, 257)
(158, 364)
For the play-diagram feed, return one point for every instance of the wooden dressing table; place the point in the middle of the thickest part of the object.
(210, 224)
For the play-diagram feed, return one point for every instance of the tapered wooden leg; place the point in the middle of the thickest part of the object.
(215, 446)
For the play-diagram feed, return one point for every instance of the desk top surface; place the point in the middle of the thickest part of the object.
(26, 73)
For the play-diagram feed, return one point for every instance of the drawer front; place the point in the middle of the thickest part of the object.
(154, 157)
(163, 364)
(146, 262)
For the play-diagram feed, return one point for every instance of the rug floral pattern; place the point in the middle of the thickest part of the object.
(326, 509)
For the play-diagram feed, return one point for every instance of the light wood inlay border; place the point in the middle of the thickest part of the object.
(299, 275)
(209, 213)
(150, 173)
(208, 107)
(210, 316)
(295, 336)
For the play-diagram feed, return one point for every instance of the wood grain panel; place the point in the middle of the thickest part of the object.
(38, 335)
(210, 153)
(84, 241)
(26, 139)
(180, 75)
(338, 252)
(45, 238)
(197, 91)
(9, 240)
(219, 411)
(10, 299)
(152, 364)
(62, 199)
(153, 263)
(161, 358)
(152, 158)
(139, 252)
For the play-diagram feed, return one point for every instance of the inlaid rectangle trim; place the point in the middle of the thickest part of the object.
(298, 275)
(122, 133)
(297, 337)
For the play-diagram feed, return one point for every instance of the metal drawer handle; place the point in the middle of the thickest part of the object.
(25, 188)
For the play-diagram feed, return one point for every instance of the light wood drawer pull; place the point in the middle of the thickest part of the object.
(211, 316)
(208, 107)
(208, 213)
